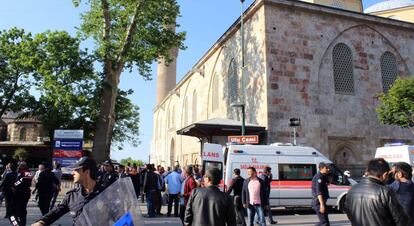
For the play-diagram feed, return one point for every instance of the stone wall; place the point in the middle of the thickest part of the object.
(32, 131)
(299, 51)
(170, 115)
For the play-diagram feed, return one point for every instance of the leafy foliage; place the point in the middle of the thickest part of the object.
(16, 65)
(132, 161)
(149, 37)
(20, 154)
(397, 106)
(67, 87)
(65, 79)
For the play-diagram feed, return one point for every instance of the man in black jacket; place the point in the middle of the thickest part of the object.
(85, 174)
(110, 176)
(404, 187)
(150, 188)
(254, 197)
(209, 206)
(370, 202)
(45, 185)
(267, 178)
(7, 185)
(236, 187)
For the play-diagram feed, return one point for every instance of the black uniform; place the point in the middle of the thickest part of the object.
(6, 186)
(109, 178)
(73, 202)
(320, 187)
(21, 196)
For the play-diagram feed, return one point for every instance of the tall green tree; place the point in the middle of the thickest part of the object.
(128, 34)
(64, 79)
(16, 66)
(397, 105)
(69, 90)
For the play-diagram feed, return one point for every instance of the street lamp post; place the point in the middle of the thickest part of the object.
(294, 122)
(242, 106)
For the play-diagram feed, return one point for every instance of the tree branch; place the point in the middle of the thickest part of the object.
(107, 20)
(106, 33)
(128, 38)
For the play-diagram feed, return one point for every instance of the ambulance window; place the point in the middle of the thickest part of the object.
(296, 171)
(336, 176)
(208, 164)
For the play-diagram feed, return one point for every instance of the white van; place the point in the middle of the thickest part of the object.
(397, 153)
(293, 168)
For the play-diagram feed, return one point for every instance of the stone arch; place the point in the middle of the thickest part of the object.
(213, 74)
(344, 155)
(341, 34)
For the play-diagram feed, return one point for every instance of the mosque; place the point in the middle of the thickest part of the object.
(322, 61)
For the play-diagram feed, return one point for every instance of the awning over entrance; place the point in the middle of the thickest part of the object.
(205, 130)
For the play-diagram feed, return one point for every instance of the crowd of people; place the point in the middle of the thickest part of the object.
(384, 196)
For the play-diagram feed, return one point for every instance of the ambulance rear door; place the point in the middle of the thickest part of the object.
(245, 156)
(212, 156)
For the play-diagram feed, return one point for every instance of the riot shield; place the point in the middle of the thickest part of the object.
(109, 206)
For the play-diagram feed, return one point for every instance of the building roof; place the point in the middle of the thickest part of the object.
(22, 144)
(219, 127)
(389, 5)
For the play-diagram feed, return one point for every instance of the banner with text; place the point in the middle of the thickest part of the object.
(67, 146)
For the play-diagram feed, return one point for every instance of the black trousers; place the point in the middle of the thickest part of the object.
(44, 202)
(238, 207)
(173, 199)
(19, 210)
(323, 217)
(182, 213)
(9, 204)
(157, 202)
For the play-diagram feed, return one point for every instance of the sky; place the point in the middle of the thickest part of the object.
(204, 21)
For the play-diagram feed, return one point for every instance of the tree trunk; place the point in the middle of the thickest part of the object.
(104, 127)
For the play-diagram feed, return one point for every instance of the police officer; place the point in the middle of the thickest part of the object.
(110, 176)
(84, 173)
(320, 194)
(21, 195)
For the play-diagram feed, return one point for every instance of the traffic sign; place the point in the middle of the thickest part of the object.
(248, 139)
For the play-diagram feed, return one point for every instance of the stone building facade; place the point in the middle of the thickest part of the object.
(321, 64)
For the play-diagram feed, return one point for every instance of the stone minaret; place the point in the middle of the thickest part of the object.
(166, 75)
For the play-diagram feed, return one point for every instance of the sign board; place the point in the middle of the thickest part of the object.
(67, 146)
(248, 139)
(68, 134)
(212, 152)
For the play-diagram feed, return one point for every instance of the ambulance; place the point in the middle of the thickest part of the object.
(393, 153)
(293, 168)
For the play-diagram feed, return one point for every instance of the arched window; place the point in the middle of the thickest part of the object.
(22, 135)
(194, 115)
(343, 69)
(233, 84)
(215, 93)
(388, 70)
